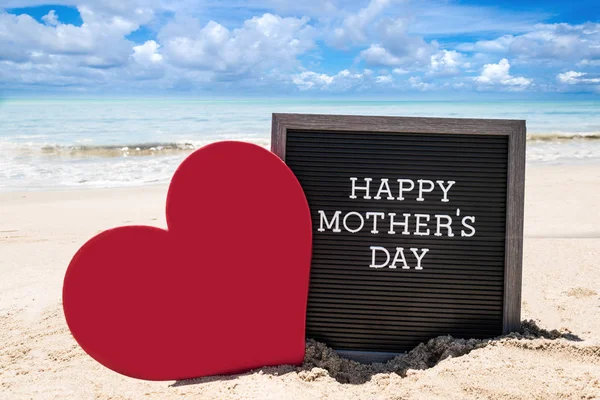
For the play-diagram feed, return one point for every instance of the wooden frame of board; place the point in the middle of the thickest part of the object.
(513, 129)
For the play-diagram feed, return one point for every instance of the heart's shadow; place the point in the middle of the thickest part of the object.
(321, 361)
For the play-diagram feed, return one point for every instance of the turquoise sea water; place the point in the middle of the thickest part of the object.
(47, 144)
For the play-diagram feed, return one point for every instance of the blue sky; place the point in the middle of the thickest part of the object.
(367, 48)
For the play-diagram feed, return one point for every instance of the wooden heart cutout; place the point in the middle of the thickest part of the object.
(222, 291)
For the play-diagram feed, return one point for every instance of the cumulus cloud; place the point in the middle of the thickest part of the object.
(378, 55)
(309, 79)
(262, 43)
(147, 53)
(384, 79)
(353, 28)
(447, 62)
(498, 74)
(187, 49)
(417, 83)
(576, 78)
(51, 18)
(98, 42)
(146, 62)
(396, 47)
(408, 53)
(342, 81)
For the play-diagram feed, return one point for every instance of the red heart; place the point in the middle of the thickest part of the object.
(223, 290)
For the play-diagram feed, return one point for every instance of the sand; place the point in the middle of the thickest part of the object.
(556, 356)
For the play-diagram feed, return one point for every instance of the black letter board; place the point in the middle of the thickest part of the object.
(417, 227)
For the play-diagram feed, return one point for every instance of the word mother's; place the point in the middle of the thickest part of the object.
(391, 223)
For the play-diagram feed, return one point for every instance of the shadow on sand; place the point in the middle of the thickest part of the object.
(321, 360)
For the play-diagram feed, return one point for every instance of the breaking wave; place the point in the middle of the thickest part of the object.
(552, 137)
(109, 151)
(176, 148)
(35, 165)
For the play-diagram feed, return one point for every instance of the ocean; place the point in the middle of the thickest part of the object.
(57, 144)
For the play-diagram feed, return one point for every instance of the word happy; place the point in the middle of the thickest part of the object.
(392, 223)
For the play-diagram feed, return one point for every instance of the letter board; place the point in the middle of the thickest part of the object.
(417, 227)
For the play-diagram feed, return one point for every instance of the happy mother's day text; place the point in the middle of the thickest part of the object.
(392, 223)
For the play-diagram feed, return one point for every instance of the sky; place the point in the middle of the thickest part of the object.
(303, 48)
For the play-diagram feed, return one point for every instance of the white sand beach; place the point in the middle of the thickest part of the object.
(41, 230)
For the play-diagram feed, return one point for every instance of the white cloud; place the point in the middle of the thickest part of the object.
(413, 53)
(342, 81)
(237, 49)
(51, 18)
(185, 55)
(396, 47)
(551, 43)
(51, 74)
(98, 42)
(384, 79)
(576, 78)
(260, 44)
(410, 49)
(417, 83)
(446, 62)
(589, 63)
(570, 77)
(147, 53)
(400, 71)
(146, 63)
(498, 74)
(559, 41)
(377, 55)
(500, 44)
(308, 80)
(129, 9)
(353, 28)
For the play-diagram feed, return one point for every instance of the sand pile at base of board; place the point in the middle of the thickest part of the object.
(321, 360)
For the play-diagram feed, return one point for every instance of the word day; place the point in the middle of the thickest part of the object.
(399, 257)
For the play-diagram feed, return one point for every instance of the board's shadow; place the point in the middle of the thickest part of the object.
(321, 361)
